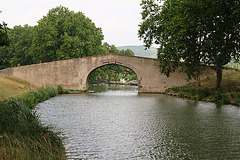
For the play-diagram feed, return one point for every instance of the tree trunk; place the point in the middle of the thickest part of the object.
(198, 81)
(219, 76)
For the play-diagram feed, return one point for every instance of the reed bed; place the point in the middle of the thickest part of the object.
(22, 136)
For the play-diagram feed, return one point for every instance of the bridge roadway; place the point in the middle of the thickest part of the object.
(73, 73)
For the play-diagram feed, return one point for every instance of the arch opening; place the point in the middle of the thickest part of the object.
(112, 74)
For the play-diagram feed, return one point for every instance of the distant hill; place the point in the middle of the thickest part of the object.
(140, 51)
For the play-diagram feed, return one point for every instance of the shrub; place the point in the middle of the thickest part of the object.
(60, 90)
(203, 93)
(52, 91)
(219, 98)
(181, 95)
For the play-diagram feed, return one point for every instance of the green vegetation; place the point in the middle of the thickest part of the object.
(31, 99)
(60, 90)
(192, 33)
(228, 94)
(3, 35)
(4, 41)
(64, 34)
(22, 136)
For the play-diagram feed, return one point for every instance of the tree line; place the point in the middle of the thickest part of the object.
(192, 33)
(61, 34)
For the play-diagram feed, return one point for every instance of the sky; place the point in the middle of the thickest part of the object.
(119, 19)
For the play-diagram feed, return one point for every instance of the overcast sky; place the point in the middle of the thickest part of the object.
(119, 19)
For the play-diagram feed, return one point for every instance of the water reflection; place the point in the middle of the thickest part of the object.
(120, 124)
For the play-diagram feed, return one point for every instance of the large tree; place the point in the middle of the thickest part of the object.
(20, 45)
(3, 34)
(64, 34)
(19, 49)
(4, 41)
(191, 33)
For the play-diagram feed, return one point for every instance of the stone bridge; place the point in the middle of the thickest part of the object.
(73, 73)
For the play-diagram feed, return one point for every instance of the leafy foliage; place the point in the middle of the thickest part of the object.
(63, 34)
(19, 48)
(4, 41)
(191, 33)
(3, 35)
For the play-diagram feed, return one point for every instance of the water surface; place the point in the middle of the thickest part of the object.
(119, 123)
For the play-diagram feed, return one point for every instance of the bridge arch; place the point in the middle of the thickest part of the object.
(115, 62)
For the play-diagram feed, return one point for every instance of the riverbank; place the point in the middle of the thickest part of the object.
(22, 136)
(12, 87)
(228, 94)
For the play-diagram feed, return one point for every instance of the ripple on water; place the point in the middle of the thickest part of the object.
(120, 124)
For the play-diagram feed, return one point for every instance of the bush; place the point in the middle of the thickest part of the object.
(52, 91)
(203, 93)
(60, 90)
(219, 98)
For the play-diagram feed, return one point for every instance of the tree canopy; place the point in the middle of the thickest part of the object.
(4, 41)
(3, 34)
(63, 34)
(191, 33)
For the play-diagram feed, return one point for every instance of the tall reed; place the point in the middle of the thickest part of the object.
(22, 136)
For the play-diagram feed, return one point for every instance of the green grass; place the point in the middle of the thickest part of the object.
(228, 94)
(12, 87)
(22, 136)
(31, 99)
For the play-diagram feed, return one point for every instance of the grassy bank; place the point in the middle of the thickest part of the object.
(22, 136)
(228, 94)
(12, 87)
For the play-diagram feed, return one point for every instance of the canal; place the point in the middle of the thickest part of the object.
(118, 123)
